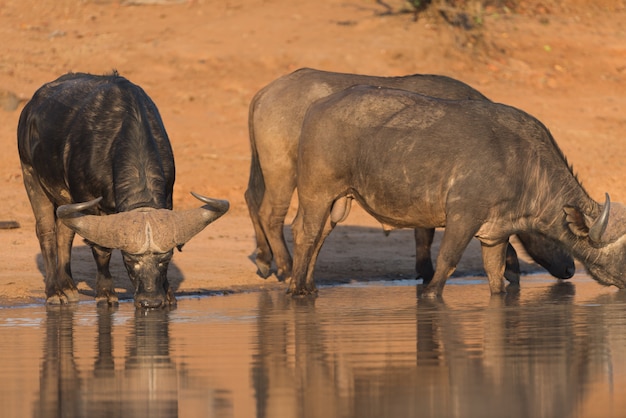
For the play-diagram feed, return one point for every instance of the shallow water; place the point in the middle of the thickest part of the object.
(361, 350)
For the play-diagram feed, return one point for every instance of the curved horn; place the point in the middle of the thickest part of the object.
(144, 229)
(87, 226)
(599, 226)
(216, 205)
(191, 222)
(66, 211)
(170, 229)
(126, 231)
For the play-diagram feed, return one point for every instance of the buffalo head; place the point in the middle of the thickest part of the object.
(146, 238)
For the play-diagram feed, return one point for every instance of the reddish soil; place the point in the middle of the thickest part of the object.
(202, 61)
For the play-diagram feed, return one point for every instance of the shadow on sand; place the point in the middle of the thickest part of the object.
(365, 253)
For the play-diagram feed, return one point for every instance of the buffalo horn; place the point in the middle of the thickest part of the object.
(190, 222)
(67, 211)
(142, 230)
(599, 226)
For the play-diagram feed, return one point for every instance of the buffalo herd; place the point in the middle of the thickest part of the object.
(419, 152)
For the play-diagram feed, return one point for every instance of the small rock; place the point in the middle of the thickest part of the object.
(9, 224)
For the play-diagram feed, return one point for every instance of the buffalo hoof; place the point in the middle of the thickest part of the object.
(305, 294)
(107, 298)
(430, 293)
(302, 292)
(499, 290)
(513, 290)
(512, 287)
(57, 300)
(171, 299)
(283, 274)
(296, 290)
(63, 297)
(263, 269)
(72, 295)
(512, 277)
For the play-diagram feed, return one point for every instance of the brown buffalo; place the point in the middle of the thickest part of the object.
(401, 155)
(275, 119)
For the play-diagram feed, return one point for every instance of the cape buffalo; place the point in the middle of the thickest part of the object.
(275, 118)
(401, 155)
(97, 144)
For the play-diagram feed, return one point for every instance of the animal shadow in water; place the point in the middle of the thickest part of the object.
(84, 272)
(364, 253)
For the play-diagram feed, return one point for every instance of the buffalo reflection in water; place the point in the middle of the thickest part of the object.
(146, 387)
(515, 358)
(348, 355)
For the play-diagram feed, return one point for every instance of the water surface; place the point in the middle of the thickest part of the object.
(362, 350)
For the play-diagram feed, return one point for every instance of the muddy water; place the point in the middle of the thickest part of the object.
(551, 350)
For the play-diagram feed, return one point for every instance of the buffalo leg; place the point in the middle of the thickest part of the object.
(276, 238)
(423, 260)
(310, 228)
(170, 298)
(45, 228)
(105, 290)
(263, 257)
(272, 214)
(65, 239)
(494, 257)
(310, 279)
(424, 265)
(455, 239)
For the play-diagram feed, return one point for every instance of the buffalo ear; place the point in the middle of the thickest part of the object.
(583, 225)
(577, 221)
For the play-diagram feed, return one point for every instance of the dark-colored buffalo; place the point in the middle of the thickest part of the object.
(403, 157)
(275, 119)
(96, 144)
